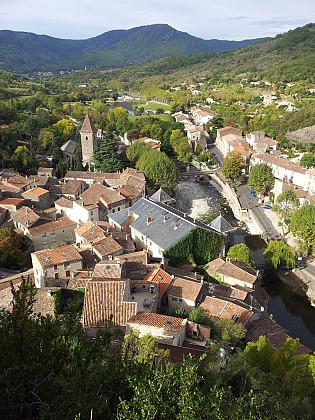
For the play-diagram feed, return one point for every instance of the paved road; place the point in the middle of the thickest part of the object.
(249, 202)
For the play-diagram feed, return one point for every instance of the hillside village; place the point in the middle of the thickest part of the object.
(100, 233)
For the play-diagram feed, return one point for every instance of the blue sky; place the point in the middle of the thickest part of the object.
(221, 19)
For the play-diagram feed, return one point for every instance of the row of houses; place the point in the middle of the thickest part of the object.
(256, 148)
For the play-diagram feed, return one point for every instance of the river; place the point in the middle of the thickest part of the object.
(290, 310)
(126, 105)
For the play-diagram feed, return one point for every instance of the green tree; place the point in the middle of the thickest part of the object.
(240, 252)
(158, 168)
(136, 149)
(286, 203)
(231, 331)
(179, 312)
(106, 158)
(232, 166)
(302, 225)
(261, 179)
(23, 159)
(308, 160)
(277, 253)
(199, 315)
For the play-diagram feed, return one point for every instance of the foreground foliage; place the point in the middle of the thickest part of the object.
(49, 371)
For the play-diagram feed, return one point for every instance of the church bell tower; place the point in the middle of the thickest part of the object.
(88, 141)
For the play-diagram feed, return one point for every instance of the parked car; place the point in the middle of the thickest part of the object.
(253, 193)
(267, 206)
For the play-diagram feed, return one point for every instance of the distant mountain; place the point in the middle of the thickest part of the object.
(287, 57)
(25, 52)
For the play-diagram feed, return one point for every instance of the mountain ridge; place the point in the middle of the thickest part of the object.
(29, 52)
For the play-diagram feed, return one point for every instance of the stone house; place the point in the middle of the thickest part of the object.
(166, 329)
(55, 267)
(52, 233)
(234, 273)
(37, 197)
(184, 294)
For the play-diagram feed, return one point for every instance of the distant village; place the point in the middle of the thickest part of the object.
(101, 233)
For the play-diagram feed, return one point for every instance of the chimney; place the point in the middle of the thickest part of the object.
(110, 257)
(185, 215)
(149, 220)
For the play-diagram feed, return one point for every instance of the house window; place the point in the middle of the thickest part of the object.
(44, 235)
(174, 299)
(68, 273)
(91, 212)
(55, 267)
(118, 209)
(56, 276)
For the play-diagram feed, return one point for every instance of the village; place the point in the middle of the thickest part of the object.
(101, 234)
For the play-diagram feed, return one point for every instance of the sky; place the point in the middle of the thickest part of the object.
(207, 19)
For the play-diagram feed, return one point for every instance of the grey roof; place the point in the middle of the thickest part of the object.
(221, 225)
(120, 217)
(159, 222)
(69, 147)
(160, 196)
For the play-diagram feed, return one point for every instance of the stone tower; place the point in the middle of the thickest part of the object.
(88, 141)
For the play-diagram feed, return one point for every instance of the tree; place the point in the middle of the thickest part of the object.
(232, 166)
(231, 331)
(158, 168)
(261, 179)
(286, 203)
(278, 254)
(302, 225)
(240, 252)
(308, 160)
(23, 159)
(199, 315)
(179, 312)
(106, 158)
(136, 149)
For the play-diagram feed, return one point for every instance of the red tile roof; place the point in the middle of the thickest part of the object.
(185, 289)
(104, 301)
(168, 323)
(60, 255)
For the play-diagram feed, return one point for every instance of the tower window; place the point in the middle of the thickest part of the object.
(86, 138)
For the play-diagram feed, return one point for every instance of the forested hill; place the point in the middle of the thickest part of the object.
(24, 52)
(289, 57)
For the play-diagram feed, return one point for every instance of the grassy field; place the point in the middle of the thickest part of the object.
(153, 106)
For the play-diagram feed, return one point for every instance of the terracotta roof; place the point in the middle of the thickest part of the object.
(185, 289)
(88, 126)
(108, 269)
(111, 197)
(223, 309)
(16, 278)
(58, 224)
(227, 291)
(25, 216)
(279, 161)
(90, 232)
(11, 201)
(104, 301)
(93, 193)
(168, 323)
(36, 191)
(275, 334)
(233, 269)
(64, 202)
(44, 303)
(229, 130)
(60, 255)
(161, 278)
(20, 181)
(106, 246)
